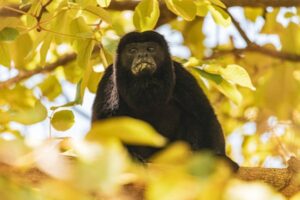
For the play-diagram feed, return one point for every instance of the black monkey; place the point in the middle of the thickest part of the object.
(145, 83)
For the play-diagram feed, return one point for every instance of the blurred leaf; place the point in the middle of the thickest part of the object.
(186, 9)
(83, 60)
(94, 81)
(100, 12)
(5, 56)
(202, 165)
(220, 16)
(62, 120)
(26, 116)
(50, 87)
(290, 39)
(218, 3)
(44, 49)
(194, 37)
(146, 15)
(253, 13)
(21, 51)
(104, 3)
(73, 72)
(111, 161)
(128, 130)
(176, 153)
(79, 27)
(8, 34)
(237, 75)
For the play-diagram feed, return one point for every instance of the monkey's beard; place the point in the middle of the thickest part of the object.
(144, 66)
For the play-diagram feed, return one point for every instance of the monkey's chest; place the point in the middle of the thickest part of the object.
(164, 119)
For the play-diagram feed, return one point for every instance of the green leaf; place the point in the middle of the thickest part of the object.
(220, 16)
(146, 15)
(104, 3)
(62, 120)
(186, 9)
(8, 34)
(128, 130)
(50, 87)
(100, 12)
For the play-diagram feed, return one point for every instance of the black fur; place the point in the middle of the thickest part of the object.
(170, 100)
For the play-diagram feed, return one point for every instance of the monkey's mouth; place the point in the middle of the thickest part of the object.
(143, 68)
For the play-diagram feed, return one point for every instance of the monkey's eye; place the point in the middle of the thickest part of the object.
(132, 50)
(150, 49)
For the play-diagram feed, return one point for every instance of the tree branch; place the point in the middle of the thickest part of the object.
(255, 48)
(48, 68)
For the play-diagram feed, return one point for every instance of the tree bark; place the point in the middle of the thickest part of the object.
(284, 180)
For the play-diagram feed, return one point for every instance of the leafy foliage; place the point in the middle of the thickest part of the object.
(252, 81)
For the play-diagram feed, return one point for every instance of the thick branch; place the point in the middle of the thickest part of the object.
(284, 180)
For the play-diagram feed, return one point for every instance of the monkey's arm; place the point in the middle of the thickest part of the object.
(106, 100)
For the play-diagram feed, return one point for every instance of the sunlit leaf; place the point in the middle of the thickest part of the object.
(62, 120)
(50, 87)
(129, 130)
(100, 12)
(146, 15)
(176, 153)
(26, 116)
(8, 34)
(104, 3)
(94, 81)
(45, 48)
(218, 3)
(253, 13)
(186, 9)
(79, 27)
(194, 37)
(220, 16)
(238, 75)
(5, 56)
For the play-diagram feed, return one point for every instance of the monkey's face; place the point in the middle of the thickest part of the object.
(142, 58)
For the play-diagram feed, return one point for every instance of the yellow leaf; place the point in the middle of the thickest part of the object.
(26, 116)
(94, 81)
(176, 153)
(220, 16)
(253, 13)
(45, 48)
(146, 15)
(237, 75)
(83, 60)
(51, 87)
(80, 28)
(5, 56)
(104, 3)
(218, 3)
(187, 9)
(100, 12)
(62, 120)
(128, 130)
(230, 91)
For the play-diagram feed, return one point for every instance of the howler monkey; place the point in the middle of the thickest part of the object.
(145, 83)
